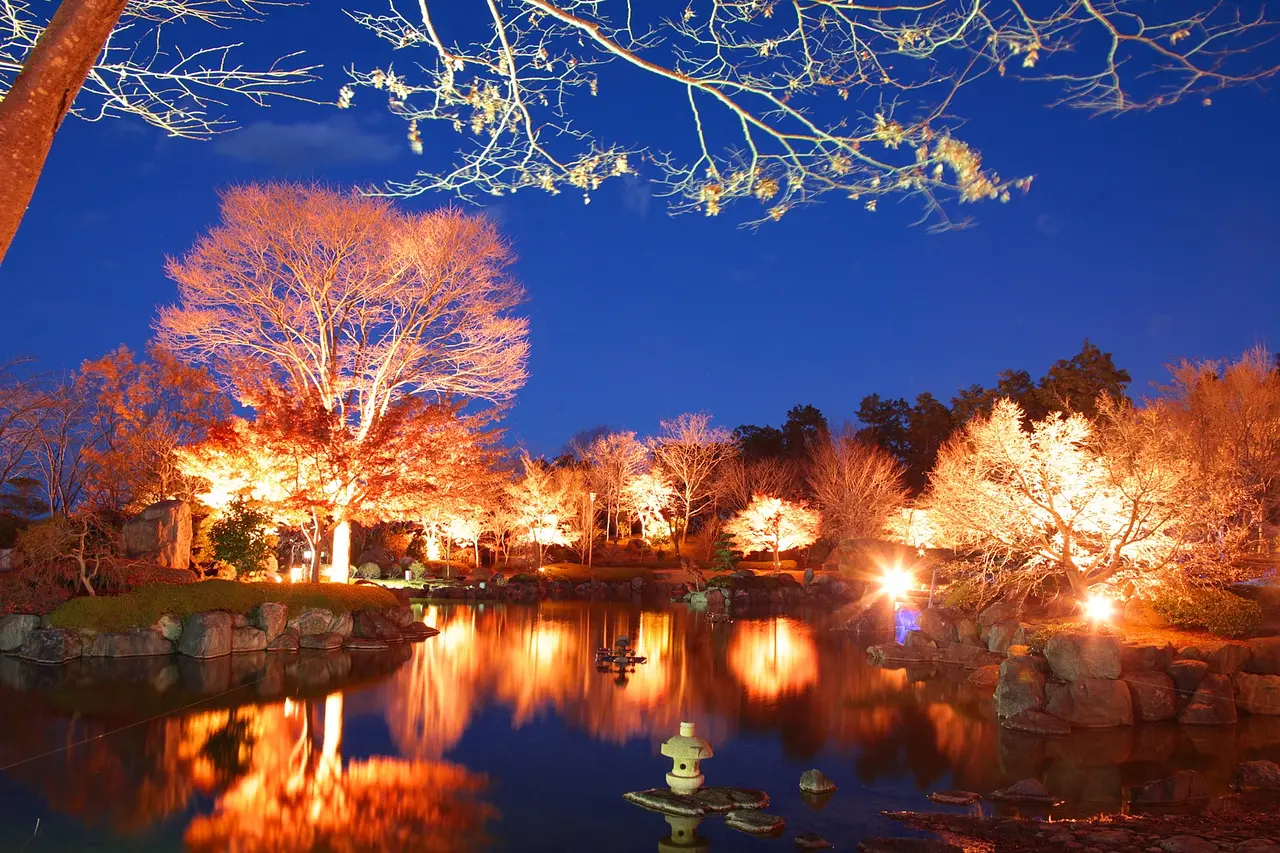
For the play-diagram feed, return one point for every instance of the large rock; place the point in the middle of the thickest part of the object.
(921, 642)
(168, 626)
(1153, 695)
(321, 641)
(1074, 656)
(342, 623)
(1093, 703)
(1187, 675)
(270, 617)
(1184, 786)
(986, 677)
(417, 631)
(286, 642)
(134, 643)
(1021, 686)
(884, 654)
(374, 625)
(402, 615)
(312, 620)
(1002, 635)
(206, 635)
(1228, 659)
(248, 639)
(940, 624)
(161, 534)
(1257, 776)
(14, 630)
(816, 782)
(1142, 657)
(1212, 705)
(1026, 791)
(1258, 694)
(1001, 611)
(755, 822)
(1036, 722)
(1264, 656)
(51, 645)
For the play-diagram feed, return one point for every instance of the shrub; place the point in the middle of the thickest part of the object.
(369, 571)
(239, 538)
(969, 594)
(36, 589)
(721, 582)
(417, 571)
(1215, 610)
(523, 577)
(148, 603)
(47, 540)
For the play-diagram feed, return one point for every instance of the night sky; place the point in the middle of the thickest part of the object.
(1152, 235)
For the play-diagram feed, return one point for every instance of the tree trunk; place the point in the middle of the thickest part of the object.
(477, 549)
(33, 109)
(340, 571)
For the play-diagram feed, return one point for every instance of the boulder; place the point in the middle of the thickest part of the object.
(270, 617)
(342, 624)
(161, 534)
(418, 631)
(1021, 686)
(1257, 776)
(889, 653)
(324, 641)
(1001, 611)
(1093, 703)
(312, 620)
(169, 627)
(286, 642)
(1153, 695)
(248, 639)
(1036, 722)
(755, 822)
(1228, 659)
(967, 632)
(921, 642)
(970, 657)
(1026, 791)
(811, 841)
(14, 630)
(400, 616)
(239, 620)
(374, 625)
(51, 645)
(1140, 657)
(360, 644)
(1184, 786)
(206, 635)
(1258, 694)
(816, 782)
(1187, 675)
(1074, 656)
(940, 624)
(1212, 705)
(986, 676)
(1004, 635)
(955, 798)
(1264, 656)
(134, 643)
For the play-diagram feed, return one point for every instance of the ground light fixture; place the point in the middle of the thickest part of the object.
(896, 582)
(1099, 608)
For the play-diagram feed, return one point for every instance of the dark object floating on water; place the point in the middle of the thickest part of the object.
(755, 822)
(955, 798)
(1029, 791)
(810, 841)
(705, 801)
(620, 655)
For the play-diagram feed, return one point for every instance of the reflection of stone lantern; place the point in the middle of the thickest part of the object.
(686, 750)
(684, 835)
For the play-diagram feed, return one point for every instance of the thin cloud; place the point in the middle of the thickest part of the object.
(636, 197)
(336, 141)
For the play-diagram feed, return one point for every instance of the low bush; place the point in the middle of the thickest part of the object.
(523, 577)
(36, 589)
(148, 603)
(1215, 610)
(369, 571)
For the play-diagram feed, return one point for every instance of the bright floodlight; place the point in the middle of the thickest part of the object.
(896, 582)
(1098, 608)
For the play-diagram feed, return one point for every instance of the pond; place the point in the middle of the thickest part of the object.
(500, 734)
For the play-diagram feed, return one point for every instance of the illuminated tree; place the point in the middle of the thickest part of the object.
(649, 496)
(19, 405)
(339, 298)
(104, 58)
(739, 479)
(542, 500)
(773, 524)
(785, 102)
(613, 460)
(858, 486)
(1065, 498)
(689, 452)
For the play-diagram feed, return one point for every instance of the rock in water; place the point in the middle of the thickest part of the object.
(1258, 776)
(342, 624)
(161, 534)
(136, 642)
(986, 677)
(286, 642)
(1182, 787)
(1264, 656)
(1021, 687)
(327, 640)
(14, 630)
(248, 639)
(1074, 656)
(816, 782)
(755, 822)
(1258, 694)
(955, 798)
(810, 841)
(1153, 695)
(360, 644)
(50, 645)
(271, 617)
(1214, 703)
(312, 620)
(1026, 791)
(418, 631)
(666, 801)
(1036, 723)
(206, 635)
(730, 799)
(1093, 703)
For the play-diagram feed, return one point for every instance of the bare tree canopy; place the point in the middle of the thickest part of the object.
(856, 485)
(782, 102)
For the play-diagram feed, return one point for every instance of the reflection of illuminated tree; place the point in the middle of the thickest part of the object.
(300, 797)
(773, 658)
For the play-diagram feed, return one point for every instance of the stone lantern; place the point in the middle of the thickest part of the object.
(684, 835)
(686, 751)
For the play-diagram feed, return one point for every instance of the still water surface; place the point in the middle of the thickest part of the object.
(499, 734)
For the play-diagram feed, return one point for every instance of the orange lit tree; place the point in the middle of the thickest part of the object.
(858, 486)
(689, 451)
(542, 499)
(613, 460)
(650, 496)
(342, 300)
(1087, 503)
(775, 525)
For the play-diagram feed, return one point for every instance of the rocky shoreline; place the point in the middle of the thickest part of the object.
(215, 634)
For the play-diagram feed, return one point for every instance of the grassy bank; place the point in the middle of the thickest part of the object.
(143, 606)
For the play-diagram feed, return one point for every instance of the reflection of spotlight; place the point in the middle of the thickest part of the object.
(1099, 608)
(896, 583)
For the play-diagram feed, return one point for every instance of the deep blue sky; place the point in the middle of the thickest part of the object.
(1153, 235)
